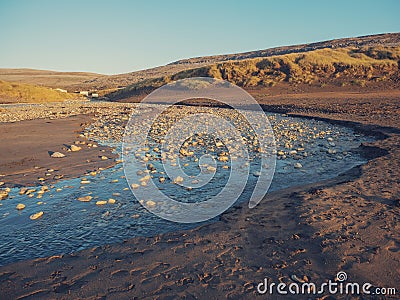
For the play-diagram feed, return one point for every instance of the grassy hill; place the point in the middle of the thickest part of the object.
(385, 39)
(66, 80)
(90, 81)
(122, 80)
(27, 93)
(343, 66)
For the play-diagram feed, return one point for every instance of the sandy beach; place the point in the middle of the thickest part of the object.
(349, 223)
(27, 146)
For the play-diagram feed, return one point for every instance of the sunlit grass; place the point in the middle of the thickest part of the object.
(27, 93)
(358, 65)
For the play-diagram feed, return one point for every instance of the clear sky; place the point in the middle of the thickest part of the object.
(121, 36)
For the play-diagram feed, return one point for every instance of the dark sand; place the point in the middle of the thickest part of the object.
(28, 144)
(350, 223)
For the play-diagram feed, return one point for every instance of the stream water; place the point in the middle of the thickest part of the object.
(69, 225)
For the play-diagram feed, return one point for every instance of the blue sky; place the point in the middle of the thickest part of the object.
(121, 36)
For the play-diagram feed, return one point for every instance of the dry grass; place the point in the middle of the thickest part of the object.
(27, 93)
(346, 66)
(346, 56)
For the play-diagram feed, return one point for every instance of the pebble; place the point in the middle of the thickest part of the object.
(23, 190)
(101, 202)
(20, 206)
(75, 148)
(185, 152)
(223, 158)
(85, 198)
(104, 157)
(3, 194)
(331, 151)
(30, 191)
(57, 155)
(111, 201)
(135, 186)
(298, 165)
(150, 203)
(178, 179)
(36, 216)
(145, 178)
(211, 169)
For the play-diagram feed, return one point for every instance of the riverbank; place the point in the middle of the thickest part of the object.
(27, 148)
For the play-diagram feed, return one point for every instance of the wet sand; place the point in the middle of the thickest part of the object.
(349, 223)
(26, 147)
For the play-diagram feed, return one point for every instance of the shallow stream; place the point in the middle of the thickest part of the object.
(70, 225)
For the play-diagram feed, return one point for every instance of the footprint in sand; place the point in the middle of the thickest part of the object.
(393, 246)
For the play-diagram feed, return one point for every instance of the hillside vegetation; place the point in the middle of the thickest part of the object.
(343, 66)
(27, 93)
(122, 80)
(78, 81)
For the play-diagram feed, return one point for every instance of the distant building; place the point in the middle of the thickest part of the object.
(84, 93)
(94, 95)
